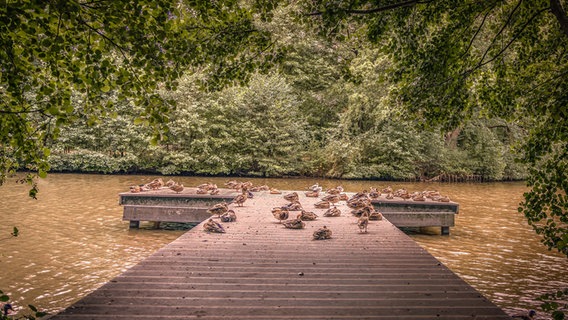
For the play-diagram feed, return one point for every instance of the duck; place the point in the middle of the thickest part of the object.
(214, 191)
(374, 193)
(241, 198)
(322, 233)
(404, 196)
(333, 198)
(388, 189)
(312, 194)
(170, 183)
(201, 191)
(213, 226)
(135, 189)
(315, 187)
(155, 184)
(207, 186)
(358, 212)
(375, 215)
(218, 209)
(292, 197)
(322, 204)
(419, 197)
(335, 190)
(332, 212)
(294, 223)
(363, 222)
(275, 191)
(231, 184)
(343, 197)
(293, 206)
(280, 214)
(229, 216)
(390, 196)
(358, 203)
(308, 216)
(177, 188)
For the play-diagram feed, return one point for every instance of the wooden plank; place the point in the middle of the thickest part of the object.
(260, 270)
(421, 219)
(164, 213)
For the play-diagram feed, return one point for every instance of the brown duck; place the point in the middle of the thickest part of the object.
(308, 216)
(280, 213)
(213, 226)
(229, 216)
(332, 212)
(322, 233)
(294, 223)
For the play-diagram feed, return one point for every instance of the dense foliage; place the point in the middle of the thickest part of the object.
(67, 61)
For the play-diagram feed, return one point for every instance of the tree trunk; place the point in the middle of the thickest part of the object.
(558, 11)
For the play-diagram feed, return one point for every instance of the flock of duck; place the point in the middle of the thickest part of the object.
(359, 203)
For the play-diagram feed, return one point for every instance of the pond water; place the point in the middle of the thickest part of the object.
(72, 239)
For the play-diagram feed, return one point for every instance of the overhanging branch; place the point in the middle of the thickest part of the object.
(375, 10)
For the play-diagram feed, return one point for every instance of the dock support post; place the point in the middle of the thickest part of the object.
(134, 224)
(445, 231)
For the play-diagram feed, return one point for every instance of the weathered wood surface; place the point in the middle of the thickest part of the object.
(164, 213)
(260, 270)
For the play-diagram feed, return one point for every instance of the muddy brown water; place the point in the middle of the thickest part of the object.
(72, 239)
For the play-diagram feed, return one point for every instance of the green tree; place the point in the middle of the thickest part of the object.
(53, 50)
(455, 61)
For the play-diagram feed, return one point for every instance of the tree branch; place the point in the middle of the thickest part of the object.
(375, 10)
(478, 30)
(558, 11)
(481, 63)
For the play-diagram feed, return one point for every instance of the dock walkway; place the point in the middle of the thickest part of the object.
(260, 270)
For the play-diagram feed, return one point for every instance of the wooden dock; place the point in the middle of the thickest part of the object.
(260, 270)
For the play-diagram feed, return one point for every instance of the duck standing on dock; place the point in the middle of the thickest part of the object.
(363, 222)
(213, 226)
(177, 188)
(218, 209)
(280, 213)
(322, 233)
(241, 198)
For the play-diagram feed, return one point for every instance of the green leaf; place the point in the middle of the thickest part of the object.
(42, 174)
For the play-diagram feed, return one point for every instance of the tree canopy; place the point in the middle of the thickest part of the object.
(59, 55)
